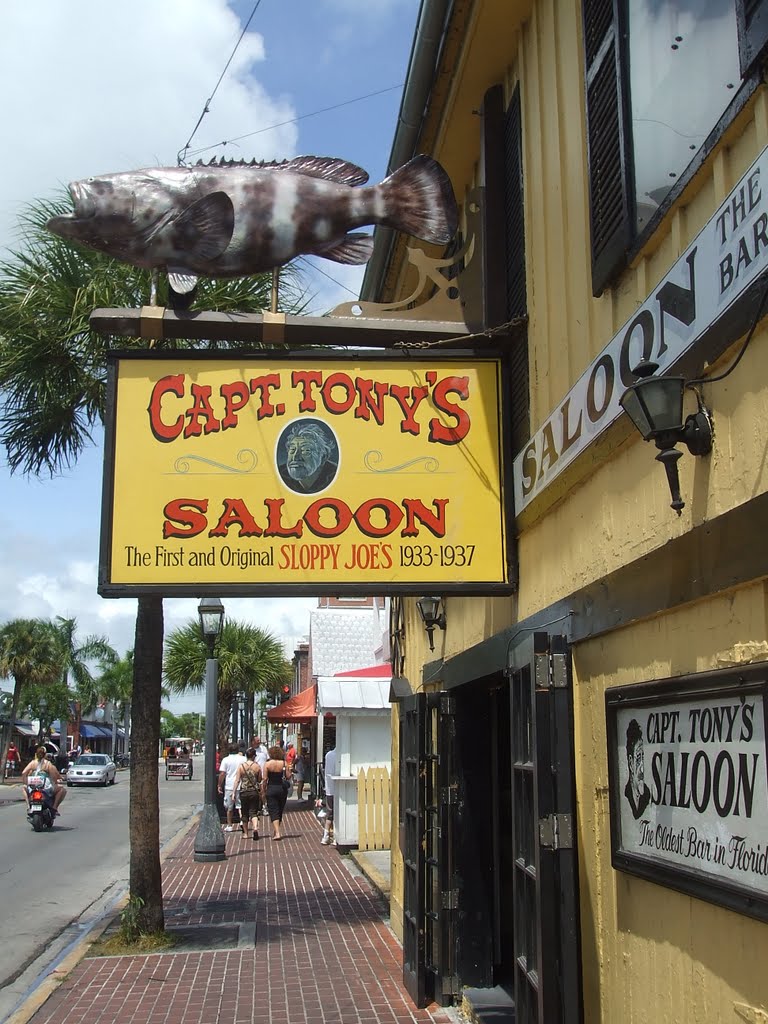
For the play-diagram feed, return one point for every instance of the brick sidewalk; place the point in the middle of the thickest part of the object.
(323, 954)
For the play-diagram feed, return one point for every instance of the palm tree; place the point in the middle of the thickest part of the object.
(250, 660)
(75, 655)
(30, 656)
(115, 684)
(52, 378)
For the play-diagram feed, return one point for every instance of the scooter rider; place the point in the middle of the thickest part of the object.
(40, 765)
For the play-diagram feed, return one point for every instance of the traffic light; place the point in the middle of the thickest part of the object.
(286, 691)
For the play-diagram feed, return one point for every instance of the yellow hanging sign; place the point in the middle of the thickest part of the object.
(330, 474)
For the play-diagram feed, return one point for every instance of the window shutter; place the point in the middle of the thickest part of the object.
(517, 302)
(517, 299)
(752, 20)
(608, 139)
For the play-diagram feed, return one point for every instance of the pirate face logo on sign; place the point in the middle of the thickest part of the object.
(636, 791)
(307, 456)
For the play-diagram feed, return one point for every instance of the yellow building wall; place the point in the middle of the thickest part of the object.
(651, 955)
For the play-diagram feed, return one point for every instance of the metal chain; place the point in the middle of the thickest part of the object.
(489, 332)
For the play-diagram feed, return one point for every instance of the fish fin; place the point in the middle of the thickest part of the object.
(205, 227)
(354, 248)
(182, 281)
(328, 167)
(419, 200)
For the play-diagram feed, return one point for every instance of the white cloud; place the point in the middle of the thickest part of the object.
(93, 87)
(108, 87)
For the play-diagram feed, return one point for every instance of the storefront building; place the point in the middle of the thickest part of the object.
(582, 819)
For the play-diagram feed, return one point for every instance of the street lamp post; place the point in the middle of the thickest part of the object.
(209, 841)
(42, 706)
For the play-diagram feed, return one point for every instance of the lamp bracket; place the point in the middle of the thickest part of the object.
(697, 432)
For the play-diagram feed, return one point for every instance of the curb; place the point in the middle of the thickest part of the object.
(374, 876)
(61, 972)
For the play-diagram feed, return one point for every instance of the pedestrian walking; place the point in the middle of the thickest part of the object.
(302, 772)
(275, 788)
(247, 789)
(13, 760)
(227, 771)
(262, 754)
(330, 786)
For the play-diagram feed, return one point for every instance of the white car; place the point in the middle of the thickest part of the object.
(96, 769)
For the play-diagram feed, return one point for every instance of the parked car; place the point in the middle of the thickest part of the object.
(97, 769)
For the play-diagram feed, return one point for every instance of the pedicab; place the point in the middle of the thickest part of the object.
(179, 767)
(178, 762)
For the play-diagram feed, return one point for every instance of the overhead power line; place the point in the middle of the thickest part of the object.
(180, 156)
(315, 267)
(292, 120)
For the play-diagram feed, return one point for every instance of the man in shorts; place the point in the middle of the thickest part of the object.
(227, 772)
(330, 790)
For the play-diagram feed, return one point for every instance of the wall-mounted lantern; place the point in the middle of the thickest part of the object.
(432, 612)
(655, 406)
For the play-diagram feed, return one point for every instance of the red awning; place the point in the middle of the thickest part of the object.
(301, 708)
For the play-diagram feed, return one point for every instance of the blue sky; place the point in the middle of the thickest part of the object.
(94, 87)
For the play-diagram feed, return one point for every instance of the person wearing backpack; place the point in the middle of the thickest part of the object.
(248, 787)
(54, 784)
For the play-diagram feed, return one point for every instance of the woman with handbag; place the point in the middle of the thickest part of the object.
(277, 782)
(248, 782)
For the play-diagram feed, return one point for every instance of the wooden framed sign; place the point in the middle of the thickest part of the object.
(308, 472)
(688, 785)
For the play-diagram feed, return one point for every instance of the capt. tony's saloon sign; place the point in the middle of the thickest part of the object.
(231, 474)
(688, 784)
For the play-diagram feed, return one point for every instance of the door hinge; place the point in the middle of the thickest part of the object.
(559, 671)
(449, 794)
(447, 705)
(450, 899)
(541, 671)
(451, 985)
(556, 832)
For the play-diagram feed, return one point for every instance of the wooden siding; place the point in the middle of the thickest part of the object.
(373, 809)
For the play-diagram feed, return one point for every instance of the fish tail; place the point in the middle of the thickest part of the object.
(419, 200)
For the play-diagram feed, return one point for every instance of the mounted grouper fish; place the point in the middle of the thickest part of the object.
(233, 219)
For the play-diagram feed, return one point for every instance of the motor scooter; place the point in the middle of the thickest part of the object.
(41, 813)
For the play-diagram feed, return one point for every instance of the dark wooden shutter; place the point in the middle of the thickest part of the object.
(547, 955)
(514, 219)
(515, 283)
(412, 798)
(752, 20)
(609, 142)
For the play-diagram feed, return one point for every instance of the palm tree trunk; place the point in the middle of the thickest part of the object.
(64, 720)
(145, 877)
(224, 714)
(250, 729)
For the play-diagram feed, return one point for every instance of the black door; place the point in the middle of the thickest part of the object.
(412, 816)
(547, 968)
(429, 788)
(441, 896)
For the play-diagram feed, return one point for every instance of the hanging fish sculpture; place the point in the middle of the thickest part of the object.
(233, 219)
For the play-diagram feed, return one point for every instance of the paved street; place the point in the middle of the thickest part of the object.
(53, 885)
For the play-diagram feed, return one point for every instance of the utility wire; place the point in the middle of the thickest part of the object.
(180, 156)
(292, 120)
(314, 266)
